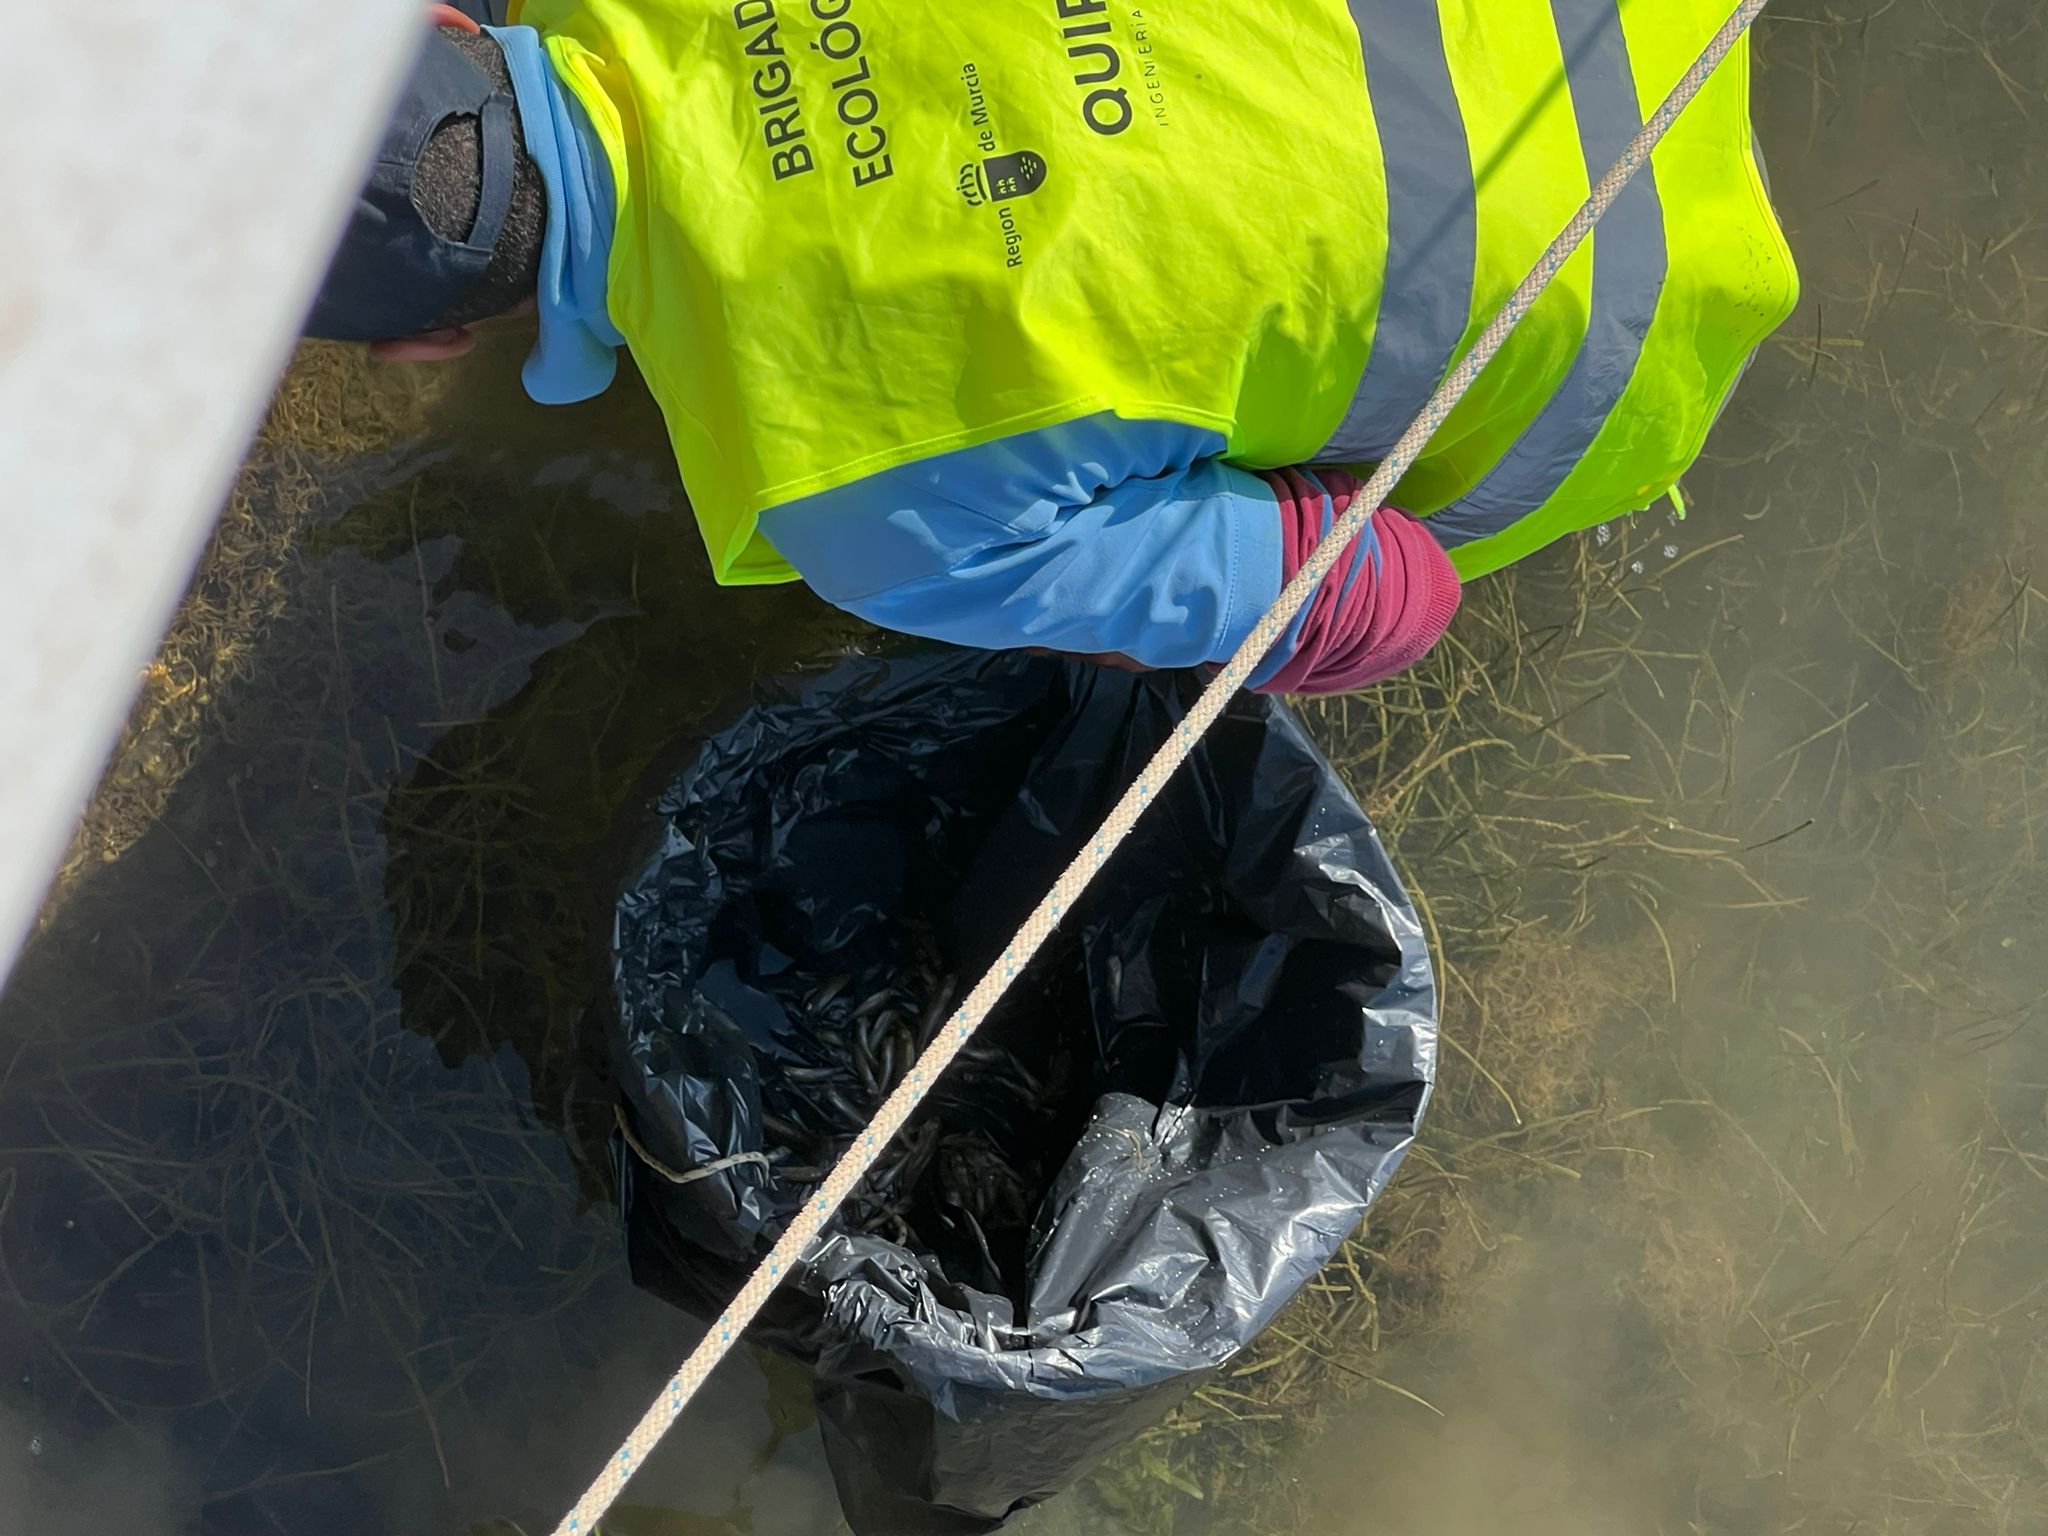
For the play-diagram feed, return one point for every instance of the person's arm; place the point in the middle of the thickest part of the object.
(1386, 601)
(1107, 537)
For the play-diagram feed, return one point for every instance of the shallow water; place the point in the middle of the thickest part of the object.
(301, 1213)
(1801, 1287)
(302, 1223)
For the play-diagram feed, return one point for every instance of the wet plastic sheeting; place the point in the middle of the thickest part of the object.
(1204, 1080)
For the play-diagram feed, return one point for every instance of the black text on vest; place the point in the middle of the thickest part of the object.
(1106, 108)
(774, 85)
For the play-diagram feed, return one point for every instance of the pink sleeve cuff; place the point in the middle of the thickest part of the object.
(1359, 630)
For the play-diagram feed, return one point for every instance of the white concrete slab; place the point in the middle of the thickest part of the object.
(174, 177)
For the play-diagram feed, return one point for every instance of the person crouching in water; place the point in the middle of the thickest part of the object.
(1071, 326)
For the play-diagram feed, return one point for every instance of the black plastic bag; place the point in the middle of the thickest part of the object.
(1245, 989)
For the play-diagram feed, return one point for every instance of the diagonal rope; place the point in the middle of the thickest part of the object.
(805, 1226)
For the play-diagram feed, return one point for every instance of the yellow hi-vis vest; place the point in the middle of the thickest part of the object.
(852, 234)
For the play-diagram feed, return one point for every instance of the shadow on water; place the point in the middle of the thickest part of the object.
(1730, 1216)
(302, 1222)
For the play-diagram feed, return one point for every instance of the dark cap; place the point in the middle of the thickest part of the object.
(393, 275)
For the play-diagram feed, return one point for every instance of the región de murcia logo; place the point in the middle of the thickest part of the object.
(999, 178)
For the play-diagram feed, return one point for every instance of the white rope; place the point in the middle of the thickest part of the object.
(717, 1165)
(805, 1226)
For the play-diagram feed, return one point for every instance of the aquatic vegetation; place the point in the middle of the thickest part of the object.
(1726, 834)
(1768, 812)
(332, 407)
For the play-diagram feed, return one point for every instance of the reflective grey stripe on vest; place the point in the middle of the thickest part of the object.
(1431, 226)
(1629, 260)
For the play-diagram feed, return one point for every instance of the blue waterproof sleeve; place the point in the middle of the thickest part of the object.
(1091, 536)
